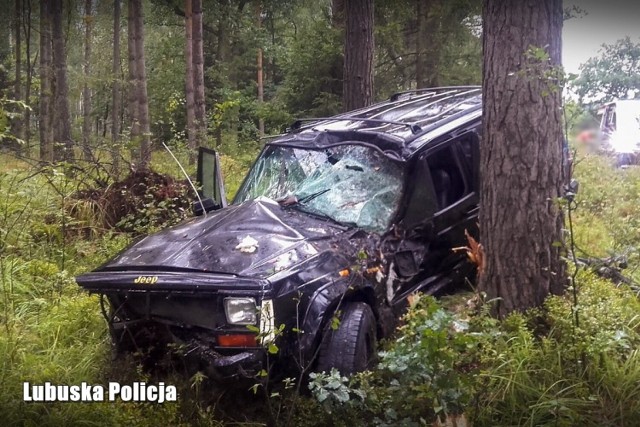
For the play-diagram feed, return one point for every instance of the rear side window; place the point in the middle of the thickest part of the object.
(449, 183)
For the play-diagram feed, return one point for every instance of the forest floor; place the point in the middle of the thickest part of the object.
(450, 357)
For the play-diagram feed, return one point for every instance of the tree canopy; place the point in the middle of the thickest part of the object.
(612, 74)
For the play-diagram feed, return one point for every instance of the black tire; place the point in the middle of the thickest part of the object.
(351, 347)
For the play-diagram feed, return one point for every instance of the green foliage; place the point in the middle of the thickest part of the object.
(312, 86)
(612, 74)
(332, 390)
(606, 217)
(422, 375)
(452, 53)
(554, 376)
(10, 109)
(49, 329)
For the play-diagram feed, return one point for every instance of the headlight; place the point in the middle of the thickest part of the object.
(240, 311)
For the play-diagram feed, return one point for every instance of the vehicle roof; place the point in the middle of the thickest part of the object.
(622, 102)
(400, 126)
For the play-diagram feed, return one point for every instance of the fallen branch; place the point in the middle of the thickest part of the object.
(611, 269)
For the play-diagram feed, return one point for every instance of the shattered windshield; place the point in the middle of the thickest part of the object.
(347, 183)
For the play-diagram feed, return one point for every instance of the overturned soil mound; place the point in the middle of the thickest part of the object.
(143, 200)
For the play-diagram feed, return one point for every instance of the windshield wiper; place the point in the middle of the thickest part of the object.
(310, 197)
(324, 216)
(293, 200)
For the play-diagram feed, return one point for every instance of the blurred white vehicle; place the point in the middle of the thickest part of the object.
(620, 130)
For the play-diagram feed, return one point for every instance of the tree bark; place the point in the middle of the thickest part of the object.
(45, 106)
(521, 153)
(63, 145)
(191, 128)
(116, 97)
(198, 75)
(17, 123)
(358, 54)
(134, 110)
(259, 67)
(143, 100)
(86, 90)
(27, 89)
(138, 99)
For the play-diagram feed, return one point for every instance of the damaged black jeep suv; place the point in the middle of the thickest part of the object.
(338, 221)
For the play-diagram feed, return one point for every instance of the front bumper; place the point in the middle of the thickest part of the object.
(627, 159)
(246, 363)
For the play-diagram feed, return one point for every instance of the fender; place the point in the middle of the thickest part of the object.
(324, 302)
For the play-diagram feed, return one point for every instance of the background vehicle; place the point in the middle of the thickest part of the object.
(620, 130)
(336, 224)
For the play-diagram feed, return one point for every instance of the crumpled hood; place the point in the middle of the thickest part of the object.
(274, 239)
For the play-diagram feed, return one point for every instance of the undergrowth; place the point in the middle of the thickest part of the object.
(449, 362)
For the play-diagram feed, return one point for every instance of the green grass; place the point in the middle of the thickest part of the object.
(536, 368)
(50, 330)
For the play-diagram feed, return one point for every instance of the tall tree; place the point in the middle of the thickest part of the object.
(63, 149)
(138, 99)
(521, 153)
(18, 128)
(143, 104)
(133, 99)
(45, 104)
(86, 90)
(198, 74)
(358, 54)
(29, 63)
(116, 96)
(260, 70)
(188, 49)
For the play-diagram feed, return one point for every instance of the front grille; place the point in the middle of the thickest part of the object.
(205, 311)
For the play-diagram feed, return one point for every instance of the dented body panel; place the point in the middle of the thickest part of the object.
(365, 212)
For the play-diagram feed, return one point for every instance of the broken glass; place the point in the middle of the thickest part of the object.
(347, 183)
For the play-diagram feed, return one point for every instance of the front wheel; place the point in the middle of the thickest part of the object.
(351, 347)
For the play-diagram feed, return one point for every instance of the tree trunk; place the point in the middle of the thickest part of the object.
(521, 153)
(358, 54)
(143, 100)
(63, 145)
(86, 90)
(45, 106)
(198, 75)
(188, 50)
(134, 110)
(116, 99)
(260, 73)
(17, 123)
(27, 89)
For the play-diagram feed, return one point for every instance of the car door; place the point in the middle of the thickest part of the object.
(444, 204)
(209, 176)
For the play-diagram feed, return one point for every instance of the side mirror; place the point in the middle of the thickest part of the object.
(209, 176)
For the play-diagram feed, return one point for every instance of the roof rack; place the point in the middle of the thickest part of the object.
(297, 124)
(444, 121)
(396, 96)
